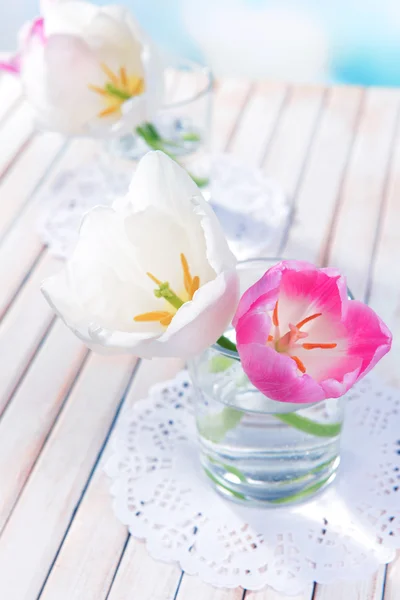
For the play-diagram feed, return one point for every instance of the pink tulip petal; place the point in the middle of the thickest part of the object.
(13, 65)
(276, 375)
(369, 338)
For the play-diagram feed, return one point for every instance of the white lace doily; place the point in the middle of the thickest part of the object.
(251, 207)
(345, 533)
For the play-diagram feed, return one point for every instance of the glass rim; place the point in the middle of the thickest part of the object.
(243, 263)
(194, 66)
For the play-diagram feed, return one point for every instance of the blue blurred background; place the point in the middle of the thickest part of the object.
(349, 41)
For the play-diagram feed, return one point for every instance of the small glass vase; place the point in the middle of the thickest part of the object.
(181, 127)
(253, 449)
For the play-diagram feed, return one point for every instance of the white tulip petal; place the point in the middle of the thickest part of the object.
(71, 17)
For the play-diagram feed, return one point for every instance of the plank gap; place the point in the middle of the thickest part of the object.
(288, 93)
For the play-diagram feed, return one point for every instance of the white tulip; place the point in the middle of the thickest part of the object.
(91, 70)
(153, 275)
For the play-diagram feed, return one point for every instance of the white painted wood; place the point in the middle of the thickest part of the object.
(316, 199)
(31, 414)
(392, 585)
(97, 538)
(23, 327)
(10, 93)
(385, 275)
(36, 527)
(369, 589)
(289, 148)
(257, 122)
(228, 103)
(32, 164)
(22, 241)
(194, 589)
(270, 594)
(361, 197)
(15, 133)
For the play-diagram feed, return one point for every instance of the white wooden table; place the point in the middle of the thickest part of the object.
(336, 151)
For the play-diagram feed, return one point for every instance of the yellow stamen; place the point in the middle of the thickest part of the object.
(155, 315)
(110, 74)
(108, 111)
(275, 319)
(321, 346)
(299, 364)
(307, 319)
(153, 278)
(124, 78)
(195, 286)
(98, 90)
(187, 278)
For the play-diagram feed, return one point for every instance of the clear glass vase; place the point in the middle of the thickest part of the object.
(254, 449)
(181, 127)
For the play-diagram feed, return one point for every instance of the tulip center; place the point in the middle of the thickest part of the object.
(288, 343)
(163, 290)
(118, 88)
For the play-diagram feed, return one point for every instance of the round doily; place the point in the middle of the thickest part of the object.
(162, 495)
(251, 207)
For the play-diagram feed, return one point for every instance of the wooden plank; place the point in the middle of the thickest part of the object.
(15, 133)
(33, 163)
(26, 424)
(316, 201)
(383, 289)
(229, 101)
(22, 242)
(23, 328)
(38, 523)
(194, 589)
(371, 588)
(289, 148)
(10, 93)
(361, 198)
(270, 594)
(258, 121)
(97, 538)
(392, 584)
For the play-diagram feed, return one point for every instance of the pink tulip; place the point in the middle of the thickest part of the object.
(299, 337)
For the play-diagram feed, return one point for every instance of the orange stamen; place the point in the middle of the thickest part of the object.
(195, 286)
(167, 320)
(124, 78)
(321, 346)
(155, 315)
(270, 338)
(108, 111)
(275, 319)
(299, 364)
(307, 320)
(136, 86)
(110, 74)
(187, 278)
(153, 278)
(97, 89)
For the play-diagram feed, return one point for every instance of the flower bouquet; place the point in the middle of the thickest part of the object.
(272, 347)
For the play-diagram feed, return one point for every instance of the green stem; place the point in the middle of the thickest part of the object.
(309, 426)
(154, 140)
(224, 342)
(303, 493)
(215, 427)
(224, 487)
